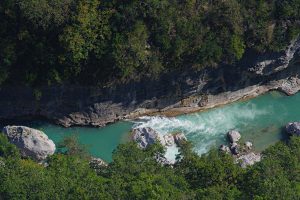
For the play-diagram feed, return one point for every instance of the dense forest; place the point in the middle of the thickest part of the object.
(135, 174)
(48, 42)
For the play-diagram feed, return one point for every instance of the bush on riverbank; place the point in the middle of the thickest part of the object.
(135, 174)
(45, 42)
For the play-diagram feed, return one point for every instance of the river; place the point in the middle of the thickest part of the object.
(259, 120)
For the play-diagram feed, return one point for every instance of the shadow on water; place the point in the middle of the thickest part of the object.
(284, 135)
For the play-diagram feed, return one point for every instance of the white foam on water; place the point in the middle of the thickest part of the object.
(206, 128)
(171, 152)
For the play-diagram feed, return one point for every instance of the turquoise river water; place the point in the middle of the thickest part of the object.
(259, 120)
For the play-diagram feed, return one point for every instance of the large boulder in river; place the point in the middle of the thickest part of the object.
(234, 136)
(144, 136)
(31, 142)
(293, 128)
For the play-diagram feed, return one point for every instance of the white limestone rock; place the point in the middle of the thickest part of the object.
(31, 142)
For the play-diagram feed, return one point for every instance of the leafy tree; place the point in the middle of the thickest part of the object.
(277, 175)
(7, 149)
(144, 177)
(46, 42)
(136, 174)
(46, 13)
(71, 146)
(237, 46)
(87, 34)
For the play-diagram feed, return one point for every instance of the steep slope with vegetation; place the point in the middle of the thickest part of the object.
(46, 42)
(134, 174)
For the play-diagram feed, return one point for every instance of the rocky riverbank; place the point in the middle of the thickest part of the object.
(174, 93)
(243, 153)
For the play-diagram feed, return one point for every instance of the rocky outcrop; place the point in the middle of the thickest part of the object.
(171, 94)
(97, 164)
(172, 139)
(31, 142)
(271, 63)
(293, 128)
(234, 136)
(242, 154)
(144, 136)
(290, 86)
(248, 159)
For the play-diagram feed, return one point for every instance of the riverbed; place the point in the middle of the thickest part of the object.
(259, 120)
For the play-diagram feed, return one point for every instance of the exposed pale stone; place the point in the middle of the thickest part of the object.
(248, 145)
(249, 159)
(144, 136)
(234, 136)
(31, 142)
(168, 140)
(97, 163)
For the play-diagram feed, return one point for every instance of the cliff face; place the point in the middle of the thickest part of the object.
(174, 93)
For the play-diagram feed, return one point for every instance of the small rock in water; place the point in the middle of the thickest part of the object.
(234, 136)
(293, 128)
(248, 145)
(31, 142)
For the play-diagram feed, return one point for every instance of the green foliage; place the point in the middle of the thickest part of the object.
(72, 178)
(87, 34)
(144, 178)
(135, 174)
(277, 175)
(237, 46)
(100, 42)
(70, 146)
(212, 176)
(288, 9)
(45, 13)
(7, 149)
